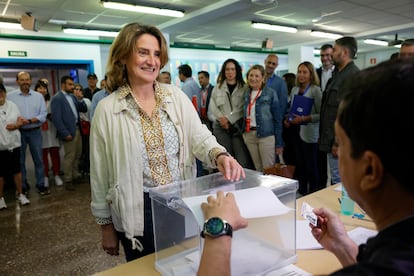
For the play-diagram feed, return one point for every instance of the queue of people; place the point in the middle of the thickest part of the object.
(42, 132)
(367, 149)
(146, 132)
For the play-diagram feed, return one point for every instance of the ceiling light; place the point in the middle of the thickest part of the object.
(8, 25)
(272, 27)
(142, 9)
(57, 21)
(325, 35)
(89, 32)
(376, 42)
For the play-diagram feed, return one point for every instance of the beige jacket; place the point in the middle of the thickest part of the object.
(116, 160)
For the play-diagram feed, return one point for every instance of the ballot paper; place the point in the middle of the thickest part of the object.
(254, 202)
(306, 241)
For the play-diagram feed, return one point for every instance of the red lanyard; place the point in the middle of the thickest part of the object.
(204, 97)
(251, 103)
(249, 108)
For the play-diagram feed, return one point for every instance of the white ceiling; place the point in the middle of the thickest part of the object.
(226, 23)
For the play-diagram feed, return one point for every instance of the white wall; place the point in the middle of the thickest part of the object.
(54, 50)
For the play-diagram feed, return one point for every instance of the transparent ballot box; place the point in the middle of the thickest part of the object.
(267, 244)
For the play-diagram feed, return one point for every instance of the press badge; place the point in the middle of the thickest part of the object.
(308, 214)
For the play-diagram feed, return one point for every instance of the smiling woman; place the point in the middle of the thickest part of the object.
(144, 134)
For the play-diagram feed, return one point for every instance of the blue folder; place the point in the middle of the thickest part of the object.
(301, 106)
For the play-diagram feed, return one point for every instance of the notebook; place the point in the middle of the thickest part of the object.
(301, 106)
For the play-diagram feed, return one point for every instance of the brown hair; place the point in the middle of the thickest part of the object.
(122, 48)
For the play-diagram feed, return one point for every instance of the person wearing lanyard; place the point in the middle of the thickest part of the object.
(262, 120)
(307, 85)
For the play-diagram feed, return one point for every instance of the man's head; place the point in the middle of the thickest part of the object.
(371, 131)
(24, 80)
(326, 56)
(407, 48)
(203, 78)
(92, 80)
(184, 72)
(271, 63)
(67, 84)
(164, 77)
(344, 51)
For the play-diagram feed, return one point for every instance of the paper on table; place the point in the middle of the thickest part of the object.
(305, 239)
(253, 203)
(338, 188)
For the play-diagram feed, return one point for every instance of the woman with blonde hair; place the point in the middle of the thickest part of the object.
(262, 124)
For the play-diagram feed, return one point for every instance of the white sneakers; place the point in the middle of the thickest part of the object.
(2, 204)
(23, 200)
(58, 180)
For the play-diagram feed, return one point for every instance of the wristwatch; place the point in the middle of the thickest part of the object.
(215, 227)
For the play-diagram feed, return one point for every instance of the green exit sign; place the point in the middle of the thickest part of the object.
(17, 53)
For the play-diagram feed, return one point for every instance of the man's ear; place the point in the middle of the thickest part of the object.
(373, 171)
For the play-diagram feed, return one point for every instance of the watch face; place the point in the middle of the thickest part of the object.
(214, 226)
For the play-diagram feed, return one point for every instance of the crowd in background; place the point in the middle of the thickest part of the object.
(249, 114)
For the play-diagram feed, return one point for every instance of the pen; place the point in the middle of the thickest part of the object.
(339, 200)
(360, 216)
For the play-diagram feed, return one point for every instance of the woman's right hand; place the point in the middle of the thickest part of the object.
(110, 241)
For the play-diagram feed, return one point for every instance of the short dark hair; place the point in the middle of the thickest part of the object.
(41, 83)
(2, 88)
(92, 76)
(367, 94)
(64, 78)
(408, 42)
(205, 73)
(350, 43)
(326, 46)
(185, 69)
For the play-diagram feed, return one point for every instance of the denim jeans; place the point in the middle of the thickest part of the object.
(33, 139)
(333, 169)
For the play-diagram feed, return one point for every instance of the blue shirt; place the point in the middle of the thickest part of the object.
(96, 98)
(31, 105)
(279, 85)
(191, 89)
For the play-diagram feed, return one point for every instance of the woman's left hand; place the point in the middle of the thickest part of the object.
(230, 168)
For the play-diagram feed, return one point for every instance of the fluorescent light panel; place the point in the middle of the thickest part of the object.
(89, 32)
(325, 35)
(376, 42)
(142, 9)
(8, 25)
(272, 27)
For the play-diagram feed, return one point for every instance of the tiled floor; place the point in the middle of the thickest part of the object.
(54, 235)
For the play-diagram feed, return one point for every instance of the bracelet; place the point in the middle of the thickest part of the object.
(220, 154)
